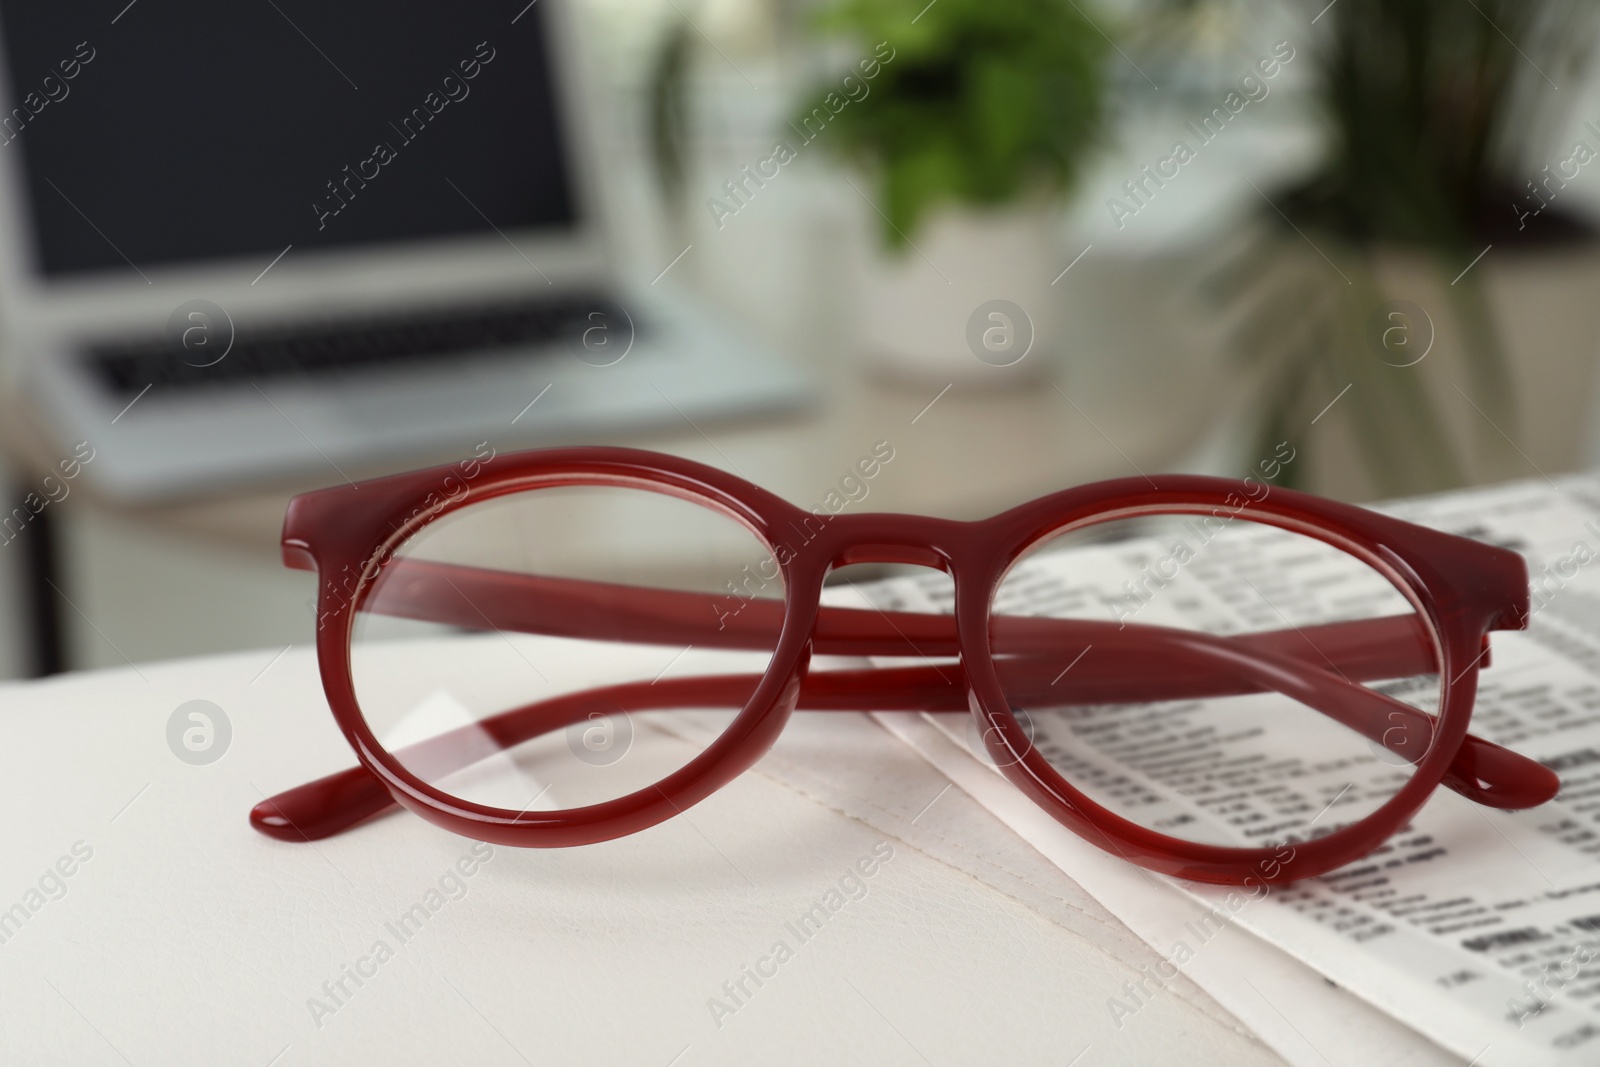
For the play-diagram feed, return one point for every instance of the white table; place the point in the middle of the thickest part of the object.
(185, 938)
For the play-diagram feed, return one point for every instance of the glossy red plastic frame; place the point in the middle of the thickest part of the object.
(1461, 589)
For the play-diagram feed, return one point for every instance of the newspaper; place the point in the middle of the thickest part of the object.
(1478, 928)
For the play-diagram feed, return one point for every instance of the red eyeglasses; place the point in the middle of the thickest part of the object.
(1215, 679)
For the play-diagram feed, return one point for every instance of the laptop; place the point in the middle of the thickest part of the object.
(273, 240)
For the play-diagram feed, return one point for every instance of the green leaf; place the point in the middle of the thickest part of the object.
(981, 100)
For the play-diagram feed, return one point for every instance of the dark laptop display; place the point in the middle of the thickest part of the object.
(170, 131)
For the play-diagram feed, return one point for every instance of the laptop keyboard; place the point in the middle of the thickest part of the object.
(369, 344)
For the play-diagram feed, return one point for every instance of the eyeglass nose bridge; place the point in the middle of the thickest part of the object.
(891, 538)
(890, 552)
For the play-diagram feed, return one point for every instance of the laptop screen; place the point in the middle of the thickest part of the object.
(163, 132)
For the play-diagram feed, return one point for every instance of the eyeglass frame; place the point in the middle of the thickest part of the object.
(1461, 588)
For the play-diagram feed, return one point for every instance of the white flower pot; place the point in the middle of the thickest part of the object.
(1542, 302)
(968, 300)
(1548, 322)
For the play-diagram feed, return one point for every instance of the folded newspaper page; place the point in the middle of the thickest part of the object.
(1478, 928)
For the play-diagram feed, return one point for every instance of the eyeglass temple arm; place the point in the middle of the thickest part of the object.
(1201, 665)
(474, 597)
(479, 598)
(338, 801)
(1396, 646)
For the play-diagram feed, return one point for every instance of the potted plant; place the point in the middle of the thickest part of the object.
(1428, 266)
(975, 124)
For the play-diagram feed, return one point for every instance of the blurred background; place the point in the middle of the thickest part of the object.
(1014, 244)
